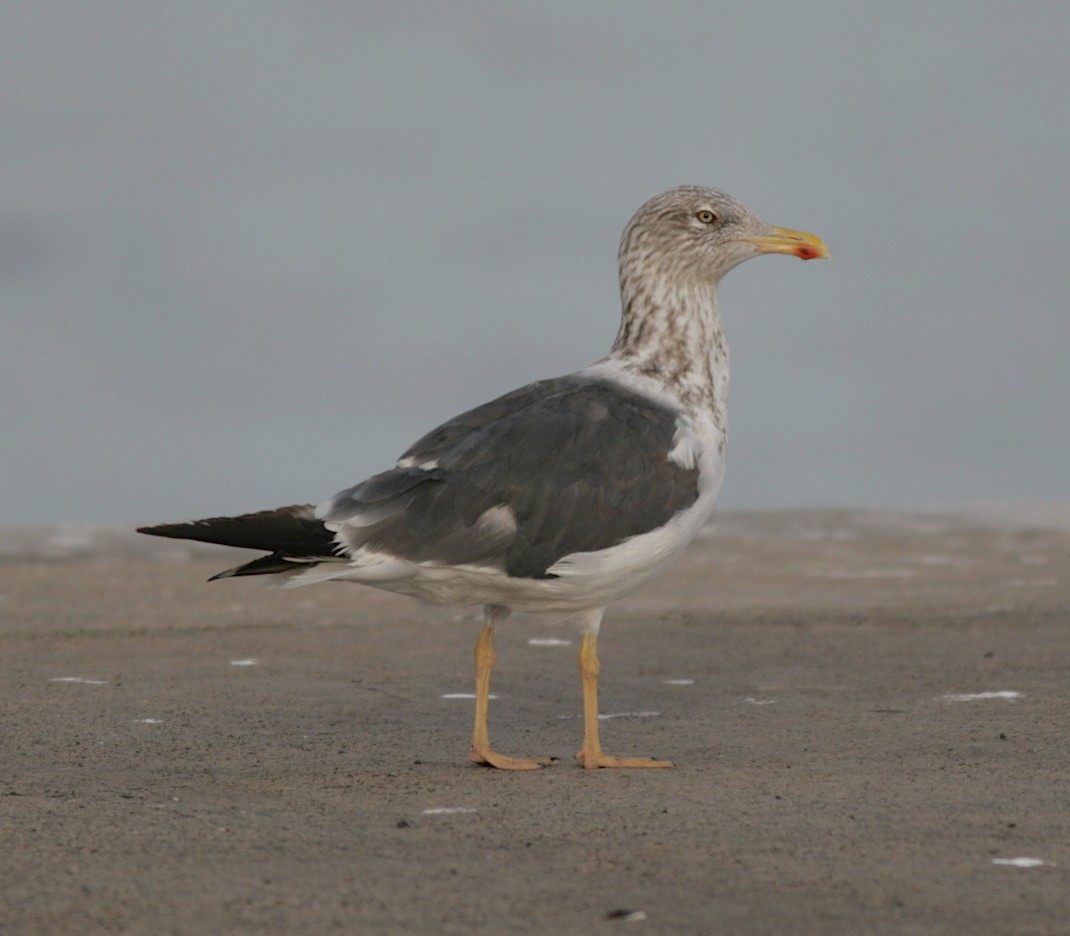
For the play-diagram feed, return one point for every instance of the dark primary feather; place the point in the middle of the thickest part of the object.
(581, 465)
(292, 530)
(286, 532)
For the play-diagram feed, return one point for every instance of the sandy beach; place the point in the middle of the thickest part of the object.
(868, 712)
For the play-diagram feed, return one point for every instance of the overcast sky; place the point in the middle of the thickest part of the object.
(249, 251)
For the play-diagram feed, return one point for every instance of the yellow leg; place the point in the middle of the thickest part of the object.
(481, 752)
(591, 753)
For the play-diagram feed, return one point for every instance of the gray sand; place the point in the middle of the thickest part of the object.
(806, 671)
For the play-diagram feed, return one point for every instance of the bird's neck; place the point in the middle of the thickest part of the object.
(673, 333)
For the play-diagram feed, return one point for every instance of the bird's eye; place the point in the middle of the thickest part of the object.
(706, 216)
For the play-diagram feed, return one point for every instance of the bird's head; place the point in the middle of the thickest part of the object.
(695, 234)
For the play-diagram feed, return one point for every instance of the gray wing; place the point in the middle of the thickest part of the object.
(554, 468)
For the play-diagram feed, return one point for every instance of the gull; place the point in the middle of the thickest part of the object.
(566, 494)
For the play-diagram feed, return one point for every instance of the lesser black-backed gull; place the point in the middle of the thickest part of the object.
(561, 496)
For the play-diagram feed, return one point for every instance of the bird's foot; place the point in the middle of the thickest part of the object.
(488, 758)
(592, 760)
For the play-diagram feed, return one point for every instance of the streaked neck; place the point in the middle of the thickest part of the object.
(674, 335)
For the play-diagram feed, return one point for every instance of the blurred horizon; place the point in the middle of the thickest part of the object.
(250, 252)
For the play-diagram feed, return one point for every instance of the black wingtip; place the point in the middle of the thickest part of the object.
(171, 530)
(290, 530)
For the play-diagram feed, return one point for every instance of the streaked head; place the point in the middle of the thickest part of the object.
(694, 233)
